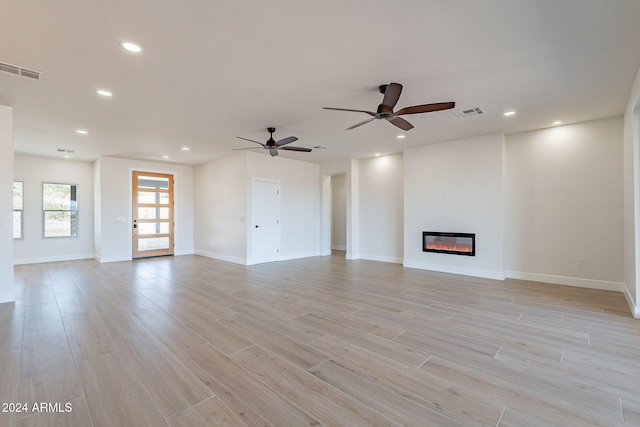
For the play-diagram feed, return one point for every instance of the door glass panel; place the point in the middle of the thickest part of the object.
(152, 243)
(153, 213)
(147, 228)
(153, 182)
(153, 197)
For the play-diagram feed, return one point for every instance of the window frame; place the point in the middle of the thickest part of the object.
(73, 211)
(21, 210)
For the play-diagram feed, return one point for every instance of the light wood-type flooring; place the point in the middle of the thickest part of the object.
(191, 341)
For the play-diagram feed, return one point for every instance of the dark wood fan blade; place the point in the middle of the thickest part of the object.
(273, 152)
(285, 141)
(250, 140)
(401, 123)
(371, 113)
(361, 123)
(426, 108)
(303, 149)
(391, 96)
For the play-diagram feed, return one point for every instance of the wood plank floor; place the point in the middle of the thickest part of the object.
(191, 341)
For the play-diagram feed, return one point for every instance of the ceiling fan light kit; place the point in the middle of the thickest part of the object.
(385, 111)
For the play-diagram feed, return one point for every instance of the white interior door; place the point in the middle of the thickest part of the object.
(266, 221)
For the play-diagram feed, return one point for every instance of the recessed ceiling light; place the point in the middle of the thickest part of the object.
(81, 131)
(165, 157)
(557, 122)
(131, 47)
(185, 149)
(377, 154)
(401, 136)
(66, 156)
(105, 93)
(509, 113)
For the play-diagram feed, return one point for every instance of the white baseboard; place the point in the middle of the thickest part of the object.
(568, 281)
(7, 297)
(381, 258)
(103, 260)
(474, 272)
(635, 310)
(180, 253)
(325, 253)
(58, 258)
(221, 257)
(339, 247)
(298, 255)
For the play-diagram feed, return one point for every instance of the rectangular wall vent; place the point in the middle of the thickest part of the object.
(470, 112)
(15, 71)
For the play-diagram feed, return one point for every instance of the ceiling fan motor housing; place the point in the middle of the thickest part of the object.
(271, 141)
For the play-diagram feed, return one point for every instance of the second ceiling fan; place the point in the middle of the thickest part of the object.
(273, 146)
(385, 111)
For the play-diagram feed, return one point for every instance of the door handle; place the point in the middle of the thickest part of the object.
(258, 226)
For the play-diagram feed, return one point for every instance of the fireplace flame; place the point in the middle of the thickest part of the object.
(446, 247)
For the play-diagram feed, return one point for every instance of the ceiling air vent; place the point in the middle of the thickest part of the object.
(64, 150)
(470, 112)
(14, 70)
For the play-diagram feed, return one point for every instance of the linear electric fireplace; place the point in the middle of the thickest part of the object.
(449, 243)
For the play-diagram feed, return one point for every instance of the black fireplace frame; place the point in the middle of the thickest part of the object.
(472, 236)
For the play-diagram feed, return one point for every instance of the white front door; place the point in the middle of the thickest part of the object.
(265, 228)
(152, 214)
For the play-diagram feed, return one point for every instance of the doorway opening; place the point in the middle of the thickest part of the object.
(339, 214)
(153, 222)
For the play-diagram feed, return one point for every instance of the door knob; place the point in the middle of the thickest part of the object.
(258, 226)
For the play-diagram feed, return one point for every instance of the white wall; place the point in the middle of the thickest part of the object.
(115, 202)
(34, 171)
(632, 197)
(339, 212)
(223, 206)
(456, 186)
(299, 199)
(564, 201)
(382, 208)
(6, 205)
(220, 192)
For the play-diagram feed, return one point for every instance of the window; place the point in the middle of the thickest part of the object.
(18, 197)
(60, 210)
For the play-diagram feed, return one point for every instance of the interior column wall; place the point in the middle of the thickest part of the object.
(631, 178)
(6, 204)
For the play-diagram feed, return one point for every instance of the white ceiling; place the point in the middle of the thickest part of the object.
(213, 70)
